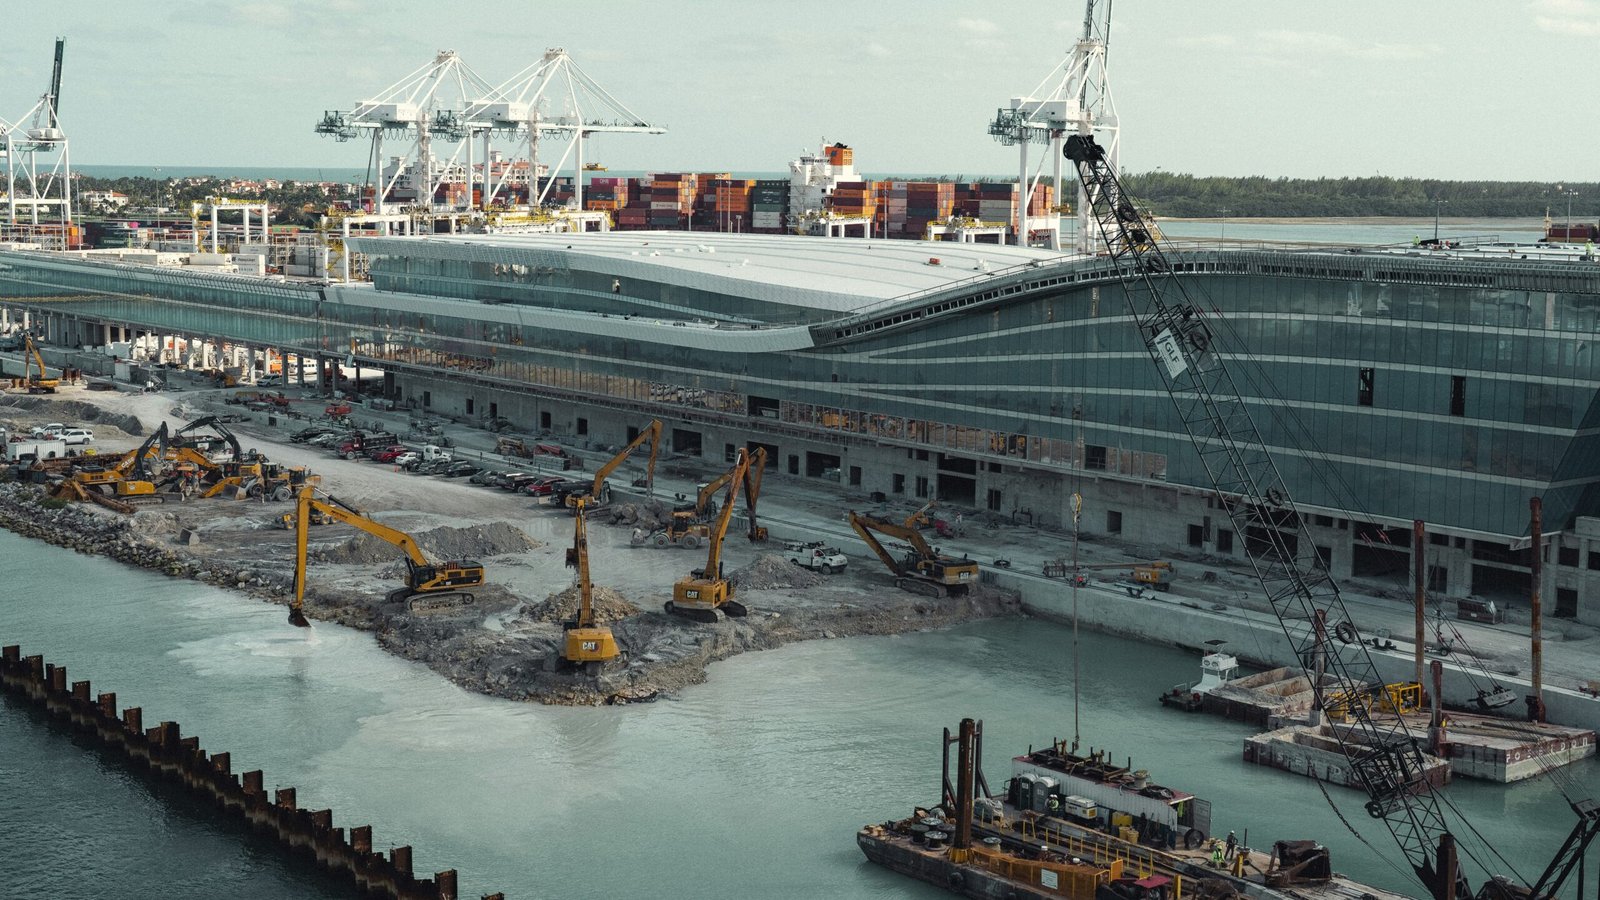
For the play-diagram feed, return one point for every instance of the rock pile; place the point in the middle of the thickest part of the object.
(69, 411)
(770, 571)
(609, 606)
(443, 543)
(648, 515)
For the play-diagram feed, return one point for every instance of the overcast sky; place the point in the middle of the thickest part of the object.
(1493, 89)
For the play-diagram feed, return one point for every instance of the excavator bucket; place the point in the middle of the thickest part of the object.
(298, 618)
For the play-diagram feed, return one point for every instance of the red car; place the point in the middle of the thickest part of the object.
(387, 454)
(543, 485)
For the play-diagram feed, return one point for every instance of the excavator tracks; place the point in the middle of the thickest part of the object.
(432, 604)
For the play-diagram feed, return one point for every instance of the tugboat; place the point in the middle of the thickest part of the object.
(1216, 668)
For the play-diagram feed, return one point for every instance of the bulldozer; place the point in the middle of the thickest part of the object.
(705, 595)
(587, 646)
(429, 586)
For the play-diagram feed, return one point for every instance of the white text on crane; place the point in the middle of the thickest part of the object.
(1166, 344)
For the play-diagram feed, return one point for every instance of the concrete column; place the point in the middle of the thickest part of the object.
(213, 229)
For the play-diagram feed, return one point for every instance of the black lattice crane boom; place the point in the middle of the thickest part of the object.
(1385, 760)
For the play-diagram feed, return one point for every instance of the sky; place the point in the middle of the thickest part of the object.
(1466, 89)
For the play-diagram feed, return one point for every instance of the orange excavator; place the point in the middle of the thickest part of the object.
(706, 596)
(589, 647)
(428, 586)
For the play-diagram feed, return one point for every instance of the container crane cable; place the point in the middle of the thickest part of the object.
(1386, 761)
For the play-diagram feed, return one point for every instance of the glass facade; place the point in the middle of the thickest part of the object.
(1447, 390)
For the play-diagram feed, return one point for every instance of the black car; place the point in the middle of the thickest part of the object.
(306, 434)
(459, 469)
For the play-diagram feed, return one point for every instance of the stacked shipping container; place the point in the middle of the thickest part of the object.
(911, 205)
(769, 206)
(854, 198)
(993, 201)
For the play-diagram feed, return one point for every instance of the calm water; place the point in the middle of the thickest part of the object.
(754, 782)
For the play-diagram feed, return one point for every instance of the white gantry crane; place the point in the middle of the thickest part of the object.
(38, 169)
(551, 97)
(1074, 98)
(408, 111)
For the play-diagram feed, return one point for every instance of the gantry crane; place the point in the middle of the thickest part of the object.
(706, 596)
(1384, 758)
(588, 645)
(600, 493)
(38, 172)
(923, 569)
(440, 583)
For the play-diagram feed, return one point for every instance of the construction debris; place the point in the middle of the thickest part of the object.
(562, 606)
(444, 542)
(771, 571)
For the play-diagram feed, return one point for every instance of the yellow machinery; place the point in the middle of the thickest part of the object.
(440, 583)
(318, 517)
(127, 476)
(36, 384)
(752, 492)
(1156, 574)
(600, 494)
(688, 526)
(920, 518)
(705, 596)
(1396, 698)
(588, 646)
(923, 569)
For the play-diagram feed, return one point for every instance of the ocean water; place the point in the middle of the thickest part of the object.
(752, 784)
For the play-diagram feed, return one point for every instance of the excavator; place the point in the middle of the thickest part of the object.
(123, 482)
(1383, 757)
(706, 596)
(36, 384)
(923, 569)
(589, 647)
(439, 584)
(689, 527)
(600, 494)
(752, 492)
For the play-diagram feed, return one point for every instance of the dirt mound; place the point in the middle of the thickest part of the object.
(609, 606)
(443, 543)
(770, 571)
(155, 521)
(38, 410)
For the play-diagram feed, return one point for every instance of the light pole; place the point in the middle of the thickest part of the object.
(1224, 237)
(1570, 195)
(1436, 205)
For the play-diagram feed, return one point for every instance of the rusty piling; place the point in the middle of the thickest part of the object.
(167, 755)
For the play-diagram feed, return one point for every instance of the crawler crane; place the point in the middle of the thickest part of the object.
(588, 646)
(600, 493)
(706, 596)
(923, 569)
(1383, 757)
(439, 583)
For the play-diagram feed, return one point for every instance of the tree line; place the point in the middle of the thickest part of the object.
(1191, 196)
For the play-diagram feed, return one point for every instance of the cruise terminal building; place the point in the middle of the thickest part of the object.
(1389, 386)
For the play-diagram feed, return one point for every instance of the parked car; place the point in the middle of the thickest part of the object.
(408, 459)
(234, 418)
(306, 434)
(269, 381)
(434, 467)
(326, 439)
(543, 485)
(519, 481)
(77, 436)
(486, 477)
(460, 469)
(388, 453)
(54, 428)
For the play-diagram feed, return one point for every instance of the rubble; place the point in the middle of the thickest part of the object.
(562, 606)
(445, 542)
(771, 571)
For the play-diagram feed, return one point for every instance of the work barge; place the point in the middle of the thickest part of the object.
(164, 754)
(986, 847)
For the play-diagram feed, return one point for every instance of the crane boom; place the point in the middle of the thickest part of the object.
(752, 492)
(1384, 758)
(55, 83)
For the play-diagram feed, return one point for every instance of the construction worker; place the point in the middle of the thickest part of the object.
(1216, 854)
(1232, 846)
(1055, 805)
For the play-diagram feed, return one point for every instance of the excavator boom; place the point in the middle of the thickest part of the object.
(924, 570)
(705, 596)
(422, 577)
(596, 495)
(752, 492)
(587, 644)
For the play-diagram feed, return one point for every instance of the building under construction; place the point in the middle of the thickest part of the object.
(1440, 386)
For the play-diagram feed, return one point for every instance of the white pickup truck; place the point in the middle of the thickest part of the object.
(814, 555)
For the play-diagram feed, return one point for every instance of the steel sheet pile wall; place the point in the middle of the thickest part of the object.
(170, 757)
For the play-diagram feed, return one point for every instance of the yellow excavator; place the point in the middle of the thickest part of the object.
(126, 476)
(923, 569)
(439, 584)
(706, 596)
(752, 492)
(689, 526)
(36, 384)
(588, 646)
(600, 494)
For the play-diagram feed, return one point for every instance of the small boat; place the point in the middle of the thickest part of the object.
(593, 167)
